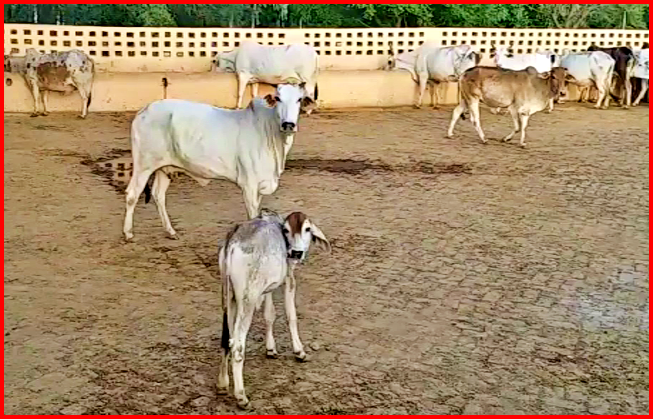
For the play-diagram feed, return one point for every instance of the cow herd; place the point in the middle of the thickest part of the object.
(249, 146)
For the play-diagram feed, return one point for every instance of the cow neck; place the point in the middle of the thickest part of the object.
(270, 127)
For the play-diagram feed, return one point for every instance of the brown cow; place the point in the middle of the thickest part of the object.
(523, 92)
(625, 62)
(58, 72)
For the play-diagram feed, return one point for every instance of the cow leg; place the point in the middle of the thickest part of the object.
(270, 315)
(291, 314)
(642, 92)
(629, 92)
(242, 85)
(252, 200)
(515, 120)
(458, 110)
(423, 80)
(475, 116)
(550, 105)
(524, 117)
(435, 95)
(134, 190)
(85, 95)
(603, 99)
(44, 102)
(244, 314)
(161, 183)
(254, 90)
(36, 95)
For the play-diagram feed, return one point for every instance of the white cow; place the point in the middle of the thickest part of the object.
(248, 147)
(433, 64)
(590, 69)
(58, 72)
(641, 72)
(255, 63)
(258, 257)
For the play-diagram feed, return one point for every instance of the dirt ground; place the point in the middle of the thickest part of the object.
(464, 278)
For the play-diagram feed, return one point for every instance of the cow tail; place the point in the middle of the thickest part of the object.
(315, 97)
(88, 101)
(226, 291)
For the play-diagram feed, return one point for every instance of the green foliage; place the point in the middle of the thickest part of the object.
(335, 15)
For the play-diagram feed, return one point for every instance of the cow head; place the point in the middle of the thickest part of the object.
(464, 59)
(224, 62)
(287, 101)
(300, 232)
(557, 78)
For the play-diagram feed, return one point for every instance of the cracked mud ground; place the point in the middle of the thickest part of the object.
(464, 278)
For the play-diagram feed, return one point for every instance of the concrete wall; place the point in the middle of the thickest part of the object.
(190, 49)
(119, 92)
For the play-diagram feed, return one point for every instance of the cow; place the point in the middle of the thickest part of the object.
(432, 64)
(63, 71)
(258, 256)
(543, 61)
(246, 146)
(590, 69)
(255, 63)
(624, 65)
(640, 73)
(523, 92)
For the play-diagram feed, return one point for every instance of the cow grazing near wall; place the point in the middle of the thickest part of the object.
(255, 63)
(64, 72)
(625, 62)
(432, 64)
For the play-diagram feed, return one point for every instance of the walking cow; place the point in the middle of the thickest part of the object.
(58, 72)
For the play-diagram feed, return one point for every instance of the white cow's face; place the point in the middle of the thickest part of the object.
(300, 232)
(287, 102)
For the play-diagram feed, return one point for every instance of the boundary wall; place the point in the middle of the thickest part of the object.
(132, 63)
(190, 49)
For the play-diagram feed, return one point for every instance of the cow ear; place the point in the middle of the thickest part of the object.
(307, 101)
(569, 77)
(320, 238)
(271, 100)
(545, 76)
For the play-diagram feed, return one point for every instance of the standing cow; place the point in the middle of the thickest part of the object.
(58, 72)
(255, 63)
(248, 147)
(432, 64)
(523, 92)
(624, 65)
(590, 69)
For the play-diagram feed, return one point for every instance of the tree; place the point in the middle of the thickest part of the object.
(397, 15)
(612, 16)
(566, 15)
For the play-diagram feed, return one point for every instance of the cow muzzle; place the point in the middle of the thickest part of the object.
(288, 127)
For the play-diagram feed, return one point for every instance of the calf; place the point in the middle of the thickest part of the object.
(58, 72)
(624, 64)
(523, 92)
(259, 256)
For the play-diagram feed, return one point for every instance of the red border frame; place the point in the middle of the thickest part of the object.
(300, 2)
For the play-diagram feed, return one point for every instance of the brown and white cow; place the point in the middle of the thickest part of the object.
(523, 93)
(65, 72)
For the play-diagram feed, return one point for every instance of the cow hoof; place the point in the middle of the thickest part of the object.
(220, 391)
(128, 238)
(436, 108)
(244, 404)
(522, 145)
(417, 106)
(301, 357)
(173, 236)
(34, 115)
(272, 354)
(449, 135)
(81, 116)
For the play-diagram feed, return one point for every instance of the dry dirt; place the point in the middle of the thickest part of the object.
(465, 278)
